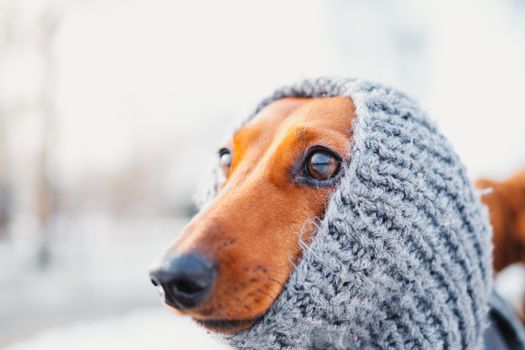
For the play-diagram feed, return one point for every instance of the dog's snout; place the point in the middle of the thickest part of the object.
(185, 280)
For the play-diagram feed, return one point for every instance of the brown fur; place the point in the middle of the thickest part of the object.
(506, 204)
(252, 229)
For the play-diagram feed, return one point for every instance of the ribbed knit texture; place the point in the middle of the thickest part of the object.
(402, 257)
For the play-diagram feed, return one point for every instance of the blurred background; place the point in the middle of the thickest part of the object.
(111, 111)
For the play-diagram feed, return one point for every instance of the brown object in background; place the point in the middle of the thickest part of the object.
(506, 203)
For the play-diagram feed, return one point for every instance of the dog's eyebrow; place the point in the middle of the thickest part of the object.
(334, 140)
(303, 133)
(245, 134)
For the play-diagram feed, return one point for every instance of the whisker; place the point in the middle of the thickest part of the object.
(275, 281)
(262, 291)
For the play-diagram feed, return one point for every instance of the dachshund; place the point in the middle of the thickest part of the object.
(232, 260)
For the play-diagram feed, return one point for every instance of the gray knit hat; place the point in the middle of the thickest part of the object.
(402, 257)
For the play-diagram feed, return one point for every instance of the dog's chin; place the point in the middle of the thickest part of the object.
(227, 327)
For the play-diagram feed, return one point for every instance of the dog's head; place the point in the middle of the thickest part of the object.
(233, 259)
(401, 231)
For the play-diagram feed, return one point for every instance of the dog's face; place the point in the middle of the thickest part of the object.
(233, 259)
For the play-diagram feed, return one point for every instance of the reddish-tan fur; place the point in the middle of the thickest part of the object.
(253, 228)
(506, 204)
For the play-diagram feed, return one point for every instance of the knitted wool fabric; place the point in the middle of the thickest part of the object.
(402, 257)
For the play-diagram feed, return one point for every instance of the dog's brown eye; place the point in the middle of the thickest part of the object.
(322, 165)
(225, 159)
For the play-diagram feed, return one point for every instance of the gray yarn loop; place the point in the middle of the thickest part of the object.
(402, 257)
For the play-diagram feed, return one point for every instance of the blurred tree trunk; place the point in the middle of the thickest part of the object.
(46, 199)
(5, 202)
(4, 184)
(28, 27)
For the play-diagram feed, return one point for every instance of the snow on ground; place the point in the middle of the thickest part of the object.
(98, 271)
(140, 329)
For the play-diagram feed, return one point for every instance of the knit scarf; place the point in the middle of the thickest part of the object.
(402, 257)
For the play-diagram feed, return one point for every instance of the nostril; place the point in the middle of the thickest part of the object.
(159, 286)
(154, 281)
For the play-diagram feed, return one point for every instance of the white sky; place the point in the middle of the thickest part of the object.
(169, 78)
(144, 74)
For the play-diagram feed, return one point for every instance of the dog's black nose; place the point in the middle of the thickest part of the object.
(184, 280)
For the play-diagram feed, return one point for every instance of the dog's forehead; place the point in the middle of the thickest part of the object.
(297, 113)
(270, 118)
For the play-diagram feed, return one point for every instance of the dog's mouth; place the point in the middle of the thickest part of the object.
(227, 326)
